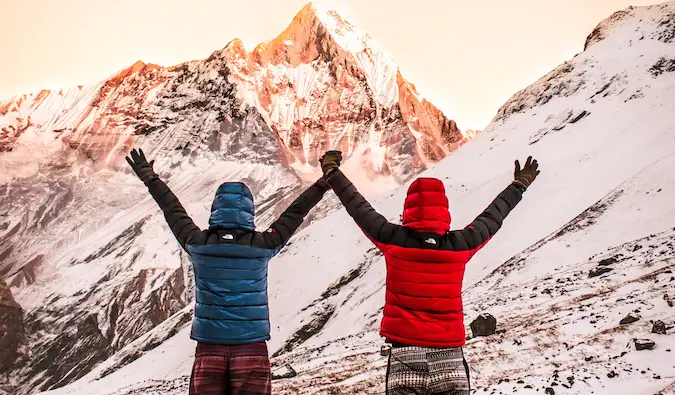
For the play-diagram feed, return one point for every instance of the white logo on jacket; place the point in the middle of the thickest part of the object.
(228, 237)
(430, 241)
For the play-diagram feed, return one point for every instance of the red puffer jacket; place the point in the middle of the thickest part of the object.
(425, 260)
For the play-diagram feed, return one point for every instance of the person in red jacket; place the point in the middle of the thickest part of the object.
(423, 317)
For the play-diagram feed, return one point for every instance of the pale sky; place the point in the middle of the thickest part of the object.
(467, 57)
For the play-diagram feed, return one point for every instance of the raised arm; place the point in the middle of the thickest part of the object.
(486, 225)
(373, 224)
(179, 221)
(290, 220)
(182, 226)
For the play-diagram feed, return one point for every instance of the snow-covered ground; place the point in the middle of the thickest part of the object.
(603, 129)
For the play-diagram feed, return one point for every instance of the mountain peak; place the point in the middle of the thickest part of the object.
(345, 33)
(312, 23)
(298, 81)
(329, 16)
(318, 33)
(661, 25)
(139, 67)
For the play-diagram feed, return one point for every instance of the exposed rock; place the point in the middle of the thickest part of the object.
(284, 372)
(662, 66)
(629, 319)
(12, 332)
(70, 355)
(601, 30)
(314, 326)
(668, 299)
(643, 344)
(660, 327)
(484, 325)
(599, 271)
(608, 261)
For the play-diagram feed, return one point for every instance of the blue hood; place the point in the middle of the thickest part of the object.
(233, 208)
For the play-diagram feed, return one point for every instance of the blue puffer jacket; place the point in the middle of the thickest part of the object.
(231, 279)
(230, 260)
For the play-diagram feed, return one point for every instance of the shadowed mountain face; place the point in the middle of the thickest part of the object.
(12, 331)
(85, 250)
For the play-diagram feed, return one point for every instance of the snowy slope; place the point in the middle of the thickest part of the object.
(83, 247)
(603, 130)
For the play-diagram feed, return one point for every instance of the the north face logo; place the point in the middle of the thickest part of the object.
(228, 237)
(430, 241)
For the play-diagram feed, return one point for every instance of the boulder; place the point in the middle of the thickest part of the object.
(608, 261)
(629, 319)
(284, 372)
(484, 325)
(660, 327)
(599, 271)
(643, 344)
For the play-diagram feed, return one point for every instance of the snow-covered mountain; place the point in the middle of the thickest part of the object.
(84, 249)
(592, 241)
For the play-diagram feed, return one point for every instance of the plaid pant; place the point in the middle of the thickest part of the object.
(422, 370)
(232, 369)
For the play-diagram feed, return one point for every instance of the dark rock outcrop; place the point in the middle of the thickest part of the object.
(484, 325)
(629, 319)
(643, 344)
(660, 328)
(599, 271)
(12, 333)
(285, 372)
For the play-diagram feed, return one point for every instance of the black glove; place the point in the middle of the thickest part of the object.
(141, 167)
(523, 178)
(330, 161)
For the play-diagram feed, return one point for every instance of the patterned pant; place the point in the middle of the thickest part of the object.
(421, 370)
(236, 369)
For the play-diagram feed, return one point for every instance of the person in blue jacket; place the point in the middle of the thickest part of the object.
(231, 318)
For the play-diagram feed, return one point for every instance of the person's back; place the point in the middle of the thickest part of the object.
(231, 319)
(423, 314)
(230, 266)
(425, 268)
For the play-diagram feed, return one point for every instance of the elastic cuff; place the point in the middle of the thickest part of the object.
(330, 172)
(323, 184)
(519, 185)
(151, 179)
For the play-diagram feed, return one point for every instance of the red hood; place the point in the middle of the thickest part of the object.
(426, 207)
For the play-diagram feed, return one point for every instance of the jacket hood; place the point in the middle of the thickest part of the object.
(426, 207)
(233, 208)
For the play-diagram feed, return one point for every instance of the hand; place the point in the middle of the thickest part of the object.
(523, 178)
(330, 161)
(141, 167)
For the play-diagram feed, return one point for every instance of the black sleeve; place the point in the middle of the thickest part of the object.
(179, 221)
(373, 224)
(290, 220)
(488, 223)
